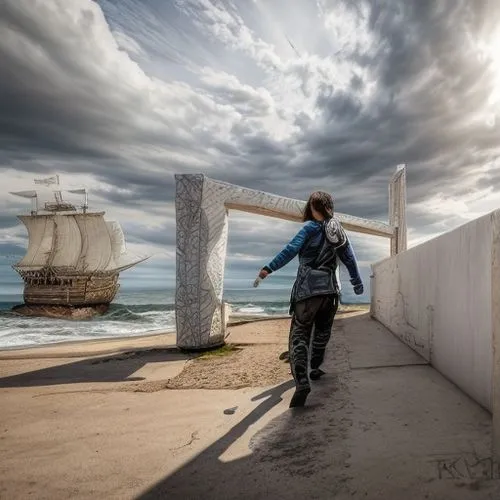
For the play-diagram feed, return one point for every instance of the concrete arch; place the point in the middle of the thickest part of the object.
(202, 206)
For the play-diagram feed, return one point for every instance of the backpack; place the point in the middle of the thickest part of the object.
(318, 277)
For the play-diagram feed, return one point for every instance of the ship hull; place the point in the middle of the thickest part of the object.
(67, 295)
(61, 312)
(70, 290)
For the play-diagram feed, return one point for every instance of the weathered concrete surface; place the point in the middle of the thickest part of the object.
(438, 298)
(370, 346)
(376, 427)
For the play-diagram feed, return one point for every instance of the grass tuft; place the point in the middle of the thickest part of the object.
(221, 351)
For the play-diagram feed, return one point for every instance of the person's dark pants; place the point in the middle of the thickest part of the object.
(317, 312)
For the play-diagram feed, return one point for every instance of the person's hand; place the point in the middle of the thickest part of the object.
(357, 285)
(263, 273)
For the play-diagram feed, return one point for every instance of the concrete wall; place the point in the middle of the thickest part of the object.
(437, 298)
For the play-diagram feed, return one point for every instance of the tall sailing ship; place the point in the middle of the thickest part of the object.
(74, 256)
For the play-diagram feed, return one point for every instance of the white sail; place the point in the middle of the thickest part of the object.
(41, 236)
(96, 251)
(82, 242)
(79, 242)
(118, 246)
(25, 194)
(122, 259)
(67, 242)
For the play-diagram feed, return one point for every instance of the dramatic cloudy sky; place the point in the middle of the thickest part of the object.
(278, 95)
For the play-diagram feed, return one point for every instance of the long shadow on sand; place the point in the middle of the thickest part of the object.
(291, 446)
(115, 368)
(208, 477)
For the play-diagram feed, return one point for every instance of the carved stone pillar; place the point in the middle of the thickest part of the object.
(201, 252)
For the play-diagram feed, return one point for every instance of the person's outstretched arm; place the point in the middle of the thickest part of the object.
(291, 249)
(347, 257)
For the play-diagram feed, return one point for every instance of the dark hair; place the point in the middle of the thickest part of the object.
(321, 202)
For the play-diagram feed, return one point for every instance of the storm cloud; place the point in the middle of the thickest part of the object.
(119, 95)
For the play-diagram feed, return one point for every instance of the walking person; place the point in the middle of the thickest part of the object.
(315, 294)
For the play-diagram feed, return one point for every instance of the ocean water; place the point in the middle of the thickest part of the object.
(133, 313)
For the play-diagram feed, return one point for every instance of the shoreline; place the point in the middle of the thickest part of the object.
(94, 346)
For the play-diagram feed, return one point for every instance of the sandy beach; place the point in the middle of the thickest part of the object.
(136, 418)
(66, 408)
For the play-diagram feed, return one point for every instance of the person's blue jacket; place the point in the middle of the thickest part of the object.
(306, 244)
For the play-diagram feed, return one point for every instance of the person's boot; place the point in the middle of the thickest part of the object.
(302, 390)
(285, 356)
